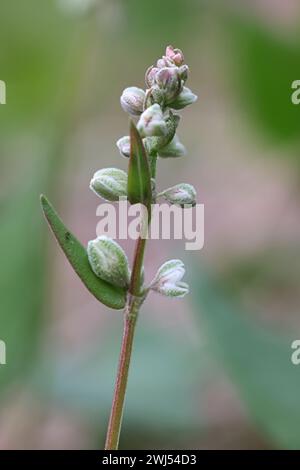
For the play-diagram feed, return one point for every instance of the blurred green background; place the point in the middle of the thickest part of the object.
(212, 371)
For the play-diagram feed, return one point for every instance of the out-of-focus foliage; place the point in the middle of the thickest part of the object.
(257, 360)
(44, 52)
(156, 22)
(159, 391)
(32, 64)
(265, 66)
(34, 42)
(21, 280)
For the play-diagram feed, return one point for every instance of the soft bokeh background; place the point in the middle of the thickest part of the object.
(212, 370)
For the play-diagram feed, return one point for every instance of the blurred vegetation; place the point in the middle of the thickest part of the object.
(59, 67)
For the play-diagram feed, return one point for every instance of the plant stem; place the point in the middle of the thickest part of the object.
(116, 415)
(134, 301)
(130, 317)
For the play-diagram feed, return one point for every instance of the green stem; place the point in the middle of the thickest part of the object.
(131, 311)
(153, 161)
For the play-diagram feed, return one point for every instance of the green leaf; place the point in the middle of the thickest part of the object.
(139, 176)
(113, 297)
(257, 360)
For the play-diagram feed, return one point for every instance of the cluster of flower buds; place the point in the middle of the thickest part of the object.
(166, 91)
(157, 124)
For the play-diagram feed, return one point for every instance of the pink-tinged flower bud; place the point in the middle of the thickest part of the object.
(132, 100)
(123, 145)
(150, 76)
(168, 79)
(185, 97)
(175, 55)
(180, 194)
(168, 279)
(152, 122)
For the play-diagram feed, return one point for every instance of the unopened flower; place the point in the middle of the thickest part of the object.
(180, 194)
(185, 97)
(165, 62)
(150, 76)
(154, 95)
(156, 144)
(173, 150)
(175, 55)
(168, 80)
(132, 100)
(183, 72)
(109, 183)
(109, 261)
(123, 145)
(168, 279)
(152, 122)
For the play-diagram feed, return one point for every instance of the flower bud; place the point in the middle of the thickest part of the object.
(164, 62)
(123, 145)
(109, 261)
(154, 95)
(168, 279)
(180, 194)
(185, 97)
(175, 55)
(109, 183)
(132, 100)
(155, 144)
(150, 76)
(173, 150)
(183, 72)
(152, 122)
(168, 79)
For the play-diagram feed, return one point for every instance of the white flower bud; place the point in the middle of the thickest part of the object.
(109, 183)
(155, 144)
(123, 145)
(152, 122)
(185, 97)
(132, 100)
(180, 194)
(109, 261)
(168, 279)
(174, 149)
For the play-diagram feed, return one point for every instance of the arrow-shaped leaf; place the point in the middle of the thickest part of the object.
(113, 297)
(139, 176)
